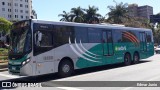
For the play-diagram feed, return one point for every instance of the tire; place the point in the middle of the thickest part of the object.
(65, 68)
(127, 59)
(136, 58)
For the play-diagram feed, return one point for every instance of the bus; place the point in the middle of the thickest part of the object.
(41, 47)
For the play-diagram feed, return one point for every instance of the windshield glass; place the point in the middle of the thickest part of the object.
(20, 40)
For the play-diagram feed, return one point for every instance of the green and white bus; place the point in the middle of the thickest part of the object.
(42, 47)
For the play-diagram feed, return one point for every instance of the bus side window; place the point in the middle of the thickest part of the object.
(148, 37)
(117, 36)
(46, 39)
(43, 41)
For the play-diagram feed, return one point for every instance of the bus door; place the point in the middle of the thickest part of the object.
(143, 42)
(107, 43)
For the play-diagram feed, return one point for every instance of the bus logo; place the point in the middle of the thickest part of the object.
(122, 48)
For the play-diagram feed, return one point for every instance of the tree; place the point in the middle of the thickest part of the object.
(5, 25)
(156, 33)
(65, 16)
(77, 15)
(92, 16)
(137, 22)
(118, 14)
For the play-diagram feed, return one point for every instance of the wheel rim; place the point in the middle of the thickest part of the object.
(127, 59)
(136, 58)
(66, 68)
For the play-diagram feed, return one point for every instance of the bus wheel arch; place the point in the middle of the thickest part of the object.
(66, 67)
(127, 58)
(136, 57)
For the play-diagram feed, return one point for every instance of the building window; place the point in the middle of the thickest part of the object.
(9, 16)
(26, 0)
(27, 12)
(3, 3)
(16, 4)
(21, 11)
(16, 16)
(16, 10)
(9, 10)
(3, 9)
(27, 17)
(22, 17)
(26, 6)
(9, 4)
(21, 5)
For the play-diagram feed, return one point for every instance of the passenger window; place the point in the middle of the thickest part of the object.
(44, 39)
(149, 38)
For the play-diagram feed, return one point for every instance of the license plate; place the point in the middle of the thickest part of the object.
(13, 68)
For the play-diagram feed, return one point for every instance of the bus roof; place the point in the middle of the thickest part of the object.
(109, 26)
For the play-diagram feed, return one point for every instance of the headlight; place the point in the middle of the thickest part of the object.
(28, 60)
(24, 63)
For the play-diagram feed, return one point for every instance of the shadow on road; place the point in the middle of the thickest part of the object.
(49, 77)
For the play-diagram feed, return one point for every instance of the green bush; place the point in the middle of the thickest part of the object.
(3, 54)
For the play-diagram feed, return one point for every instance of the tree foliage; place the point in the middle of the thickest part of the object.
(91, 15)
(77, 15)
(156, 32)
(118, 14)
(65, 17)
(81, 15)
(5, 25)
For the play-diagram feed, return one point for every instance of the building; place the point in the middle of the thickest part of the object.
(16, 10)
(145, 11)
(133, 10)
(140, 11)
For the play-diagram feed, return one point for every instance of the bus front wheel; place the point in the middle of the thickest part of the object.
(127, 59)
(65, 68)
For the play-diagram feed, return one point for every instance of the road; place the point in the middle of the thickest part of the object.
(146, 70)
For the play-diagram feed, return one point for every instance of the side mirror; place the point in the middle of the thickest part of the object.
(38, 38)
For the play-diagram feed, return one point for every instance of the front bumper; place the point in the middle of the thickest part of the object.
(25, 70)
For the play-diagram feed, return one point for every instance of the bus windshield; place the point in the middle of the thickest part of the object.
(20, 40)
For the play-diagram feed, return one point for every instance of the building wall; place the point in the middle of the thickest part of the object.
(133, 8)
(14, 10)
(145, 11)
(142, 11)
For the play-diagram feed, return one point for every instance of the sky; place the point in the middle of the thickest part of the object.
(50, 9)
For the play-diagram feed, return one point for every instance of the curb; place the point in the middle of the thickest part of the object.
(4, 65)
(4, 69)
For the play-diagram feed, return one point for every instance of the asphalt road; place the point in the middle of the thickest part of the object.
(146, 70)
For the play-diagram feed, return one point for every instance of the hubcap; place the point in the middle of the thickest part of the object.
(66, 68)
(127, 59)
(136, 58)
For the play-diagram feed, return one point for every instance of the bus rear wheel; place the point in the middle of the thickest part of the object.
(136, 58)
(127, 59)
(65, 68)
